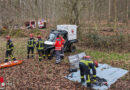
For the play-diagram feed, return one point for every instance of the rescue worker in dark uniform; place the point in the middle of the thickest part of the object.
(31, 46)
(40, 48)
(9, 49)
(85, 65)
(62, 47)
(58, 45)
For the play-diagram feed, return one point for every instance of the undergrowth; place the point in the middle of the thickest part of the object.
(119, 59)
(118, 41)
(19, 32)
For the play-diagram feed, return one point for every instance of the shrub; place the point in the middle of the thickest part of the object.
(17, 33)
(4, 32)
(36, 31)
(95, 39)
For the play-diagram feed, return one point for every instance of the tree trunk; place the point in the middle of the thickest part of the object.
(36, 15)
(109, 10)
(127, 12)
(115, 18)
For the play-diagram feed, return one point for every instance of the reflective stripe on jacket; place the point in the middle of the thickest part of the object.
(57, 48)
(40, 44)
(90, 65)
(86, 62)
(31, 42)
(9, 45)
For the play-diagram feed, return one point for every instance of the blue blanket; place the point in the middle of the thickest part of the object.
(111, 74)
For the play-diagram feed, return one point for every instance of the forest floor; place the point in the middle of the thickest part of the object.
(45, 75)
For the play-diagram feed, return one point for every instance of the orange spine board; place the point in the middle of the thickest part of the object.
(11, 63)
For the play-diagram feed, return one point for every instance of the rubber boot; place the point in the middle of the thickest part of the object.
(44, 57)
(57, 62)
(40, 59)
(82, 80)
(32, 56)
(49, 57)
(62, 57)
(14, 59)
(28, 57)
(89, 85)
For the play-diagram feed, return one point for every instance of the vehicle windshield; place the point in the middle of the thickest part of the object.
(52, 37)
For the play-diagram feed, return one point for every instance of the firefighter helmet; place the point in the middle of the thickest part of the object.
(31, 35)
(87, 57)
(39, 36)
(8, 37)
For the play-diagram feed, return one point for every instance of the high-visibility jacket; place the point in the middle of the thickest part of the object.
(40, 44)
(90, 65)
(58, 44)
(63, 41)
(31, 42)
(9, 45)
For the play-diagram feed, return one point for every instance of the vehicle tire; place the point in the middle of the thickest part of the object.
(72, 48)
(52, 53)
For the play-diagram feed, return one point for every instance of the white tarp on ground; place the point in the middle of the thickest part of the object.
(111, 74)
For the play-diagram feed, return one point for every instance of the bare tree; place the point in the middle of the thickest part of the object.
(64, 11)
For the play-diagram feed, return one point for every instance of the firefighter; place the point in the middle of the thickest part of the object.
(31, 46)
(85, 65)
(9, 49)
(40, 48)
(62, 47)
(58, 45)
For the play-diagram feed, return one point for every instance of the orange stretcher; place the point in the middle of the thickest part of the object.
(11, 63)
